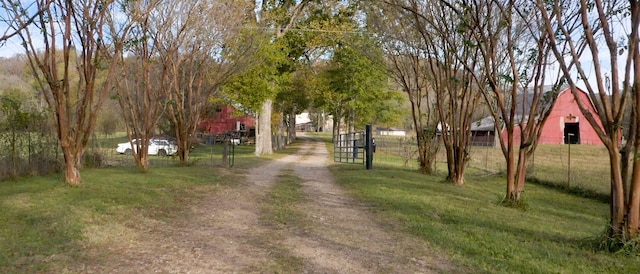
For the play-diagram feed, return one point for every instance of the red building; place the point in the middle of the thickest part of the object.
(227, 119)
(565, 124)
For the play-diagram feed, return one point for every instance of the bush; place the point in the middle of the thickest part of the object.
(93, 159)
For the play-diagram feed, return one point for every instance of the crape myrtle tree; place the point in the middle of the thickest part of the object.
(608, 31)
(137, 91)
(514, 62)
(199, 47)
(449, 66)
(405, 54)
(63, 38)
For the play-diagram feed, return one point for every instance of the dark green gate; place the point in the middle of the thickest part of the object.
(354, 148)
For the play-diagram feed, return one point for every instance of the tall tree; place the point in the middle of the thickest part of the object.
(406, 55)
(450, 62)
(141, 99)
(62, 38)
(200, 47)
(260, 81)
(608, 31)
(282, 16)
(515, 64)
(358, 80)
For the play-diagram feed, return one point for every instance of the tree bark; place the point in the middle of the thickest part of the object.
(617, 207)
(633, 210)
(264, 143)
(72, 172)
(291, 136)
(521, 173)
(512, 193)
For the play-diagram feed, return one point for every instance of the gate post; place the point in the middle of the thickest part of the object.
(369, 147)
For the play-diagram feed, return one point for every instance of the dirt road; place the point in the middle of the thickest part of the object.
(226, 234)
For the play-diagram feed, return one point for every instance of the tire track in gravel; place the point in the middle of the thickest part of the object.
(343, 236)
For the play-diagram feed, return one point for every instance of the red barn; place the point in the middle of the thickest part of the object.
(565, 124)
(226, 119)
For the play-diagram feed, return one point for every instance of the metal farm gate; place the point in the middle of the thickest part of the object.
(354, 148)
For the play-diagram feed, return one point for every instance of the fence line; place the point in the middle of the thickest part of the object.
(589, 166)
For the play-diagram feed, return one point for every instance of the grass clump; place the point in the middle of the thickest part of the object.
(619, 244)
(281, 210)
(281, 204)
(520, 204)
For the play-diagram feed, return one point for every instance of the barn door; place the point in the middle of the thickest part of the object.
(572, 133)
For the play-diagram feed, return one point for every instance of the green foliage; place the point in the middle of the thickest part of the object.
(262, 81)
(27, 144)
(296, 95)
(356, 80)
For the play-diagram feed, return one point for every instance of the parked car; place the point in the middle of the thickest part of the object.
(156, 147)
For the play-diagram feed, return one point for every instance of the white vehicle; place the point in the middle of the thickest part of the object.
(156, 147)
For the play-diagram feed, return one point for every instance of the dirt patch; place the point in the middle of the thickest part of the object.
(224, 232)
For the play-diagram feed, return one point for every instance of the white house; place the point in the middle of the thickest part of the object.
(391, 131)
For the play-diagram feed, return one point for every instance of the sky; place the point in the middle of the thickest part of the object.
(11, 48)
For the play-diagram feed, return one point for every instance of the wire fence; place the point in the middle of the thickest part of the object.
(572, 165)
(36, 155)
(202, 154)
(584, 166)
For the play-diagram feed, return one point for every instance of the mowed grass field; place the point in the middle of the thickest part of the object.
(45, 224)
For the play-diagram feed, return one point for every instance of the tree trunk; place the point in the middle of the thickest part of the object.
(451, 166)
(521, 173)
(336, 128)
(72, 174)
(144, 162)
(426, 153)
(512, 193)
(183, 153)
(291, 136)
(263, 130)
(633, 210)
(617, 207)
(460, 164)
(281, 133)
(422, 153)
